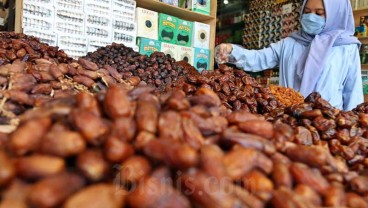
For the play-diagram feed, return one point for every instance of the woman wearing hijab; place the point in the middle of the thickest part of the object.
(323, 57)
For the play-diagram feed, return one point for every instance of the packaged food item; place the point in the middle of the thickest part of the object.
(147, 23)
(167, 28)
(184, 33)
(148, 46)
(201, 59)
(186, 54)
(169, 49)
(201, 35)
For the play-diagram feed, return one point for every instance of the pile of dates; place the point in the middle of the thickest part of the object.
(318, 123)
(15, 46)
(362, 108)
(236, 89)
(26, 84)
(286, 96)
(158, 70)
(133, 149)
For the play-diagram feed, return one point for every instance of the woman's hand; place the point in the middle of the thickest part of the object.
(222, 52)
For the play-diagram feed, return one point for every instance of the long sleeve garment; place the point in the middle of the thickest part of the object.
(340, 82)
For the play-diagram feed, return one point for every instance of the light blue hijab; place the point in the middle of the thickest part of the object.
(339, 30)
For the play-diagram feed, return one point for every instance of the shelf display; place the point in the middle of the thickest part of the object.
(269, 23)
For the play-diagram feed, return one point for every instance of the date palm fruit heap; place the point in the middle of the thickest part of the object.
(130, 148)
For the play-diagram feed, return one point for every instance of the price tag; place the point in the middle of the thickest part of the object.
(286, 9)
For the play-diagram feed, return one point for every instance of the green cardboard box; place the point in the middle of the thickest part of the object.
(167, 28)
(201, 59)
(148, 46)
(184, 33)
(201, 6)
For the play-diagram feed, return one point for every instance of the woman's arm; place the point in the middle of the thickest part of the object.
(256, 60)
(353, 89)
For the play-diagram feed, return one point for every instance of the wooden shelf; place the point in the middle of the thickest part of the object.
(160, 7)
(156, 5)
(361, 10)
(365, 98)
(364, 66)
(362, 38)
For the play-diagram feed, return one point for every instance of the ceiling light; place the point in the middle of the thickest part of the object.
(226, 1)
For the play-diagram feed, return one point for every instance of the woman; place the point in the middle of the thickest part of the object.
(323, 57)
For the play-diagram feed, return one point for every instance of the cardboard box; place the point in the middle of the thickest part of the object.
(167, 27)
(186, 4)
(201, 6)
(171, 2)
(171, 49)
(44, 36)
(184, 33)
(147, 23)
(201, 35)
(148, 46)
(186, 54)
(201, 59)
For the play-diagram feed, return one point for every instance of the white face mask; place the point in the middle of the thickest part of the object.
(313, 24)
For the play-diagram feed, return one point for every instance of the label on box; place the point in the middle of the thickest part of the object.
(201, 6)
(170, 49)
(186, 54)
(147, 23)
(148, 46)
(201, 35)
(184, 33)
(201, 59)
(167, 28)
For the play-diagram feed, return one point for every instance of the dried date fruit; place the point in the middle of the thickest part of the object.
(38, 166)
(192, 134)
(134, 169)
(354, 200)
(97, 196)
(261, 128)
(117, 150)
(153, 193)
(308, 194)
(173, 153)
(63, 143)
(170, 126)
(93, 165)
(26, 139)
(117, 103)
(281, 175)
(195, 186)
(211, 162)
(249, 141)
(7, 171)
(57, 189)
(302, 174)
(311, 155)
(147, 116)
(92, 127)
